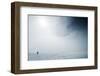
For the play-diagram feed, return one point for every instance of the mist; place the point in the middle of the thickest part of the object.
(57, 37)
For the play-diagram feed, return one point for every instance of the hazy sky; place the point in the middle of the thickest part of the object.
(58, 34)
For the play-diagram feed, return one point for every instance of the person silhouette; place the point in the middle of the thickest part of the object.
(37, 52)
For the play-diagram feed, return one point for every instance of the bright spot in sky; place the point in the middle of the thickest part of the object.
(42, 22)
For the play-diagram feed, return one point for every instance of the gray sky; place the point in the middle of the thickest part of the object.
(58, 34)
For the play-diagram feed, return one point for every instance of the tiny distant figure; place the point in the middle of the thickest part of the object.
(37, 52)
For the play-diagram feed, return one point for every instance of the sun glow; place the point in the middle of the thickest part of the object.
(43, 22)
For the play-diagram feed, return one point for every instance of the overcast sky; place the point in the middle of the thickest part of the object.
(58, 35)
